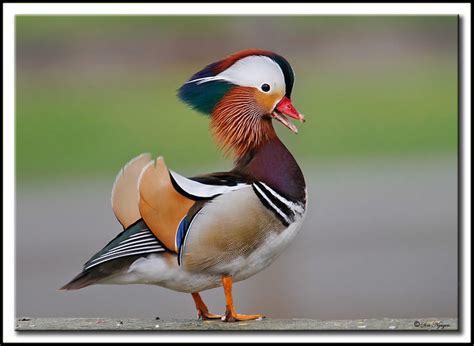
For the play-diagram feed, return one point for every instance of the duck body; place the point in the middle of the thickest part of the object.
(237, 233)
(197, 233)
(163, 269)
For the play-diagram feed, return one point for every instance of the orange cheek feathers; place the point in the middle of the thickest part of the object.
(267, 101)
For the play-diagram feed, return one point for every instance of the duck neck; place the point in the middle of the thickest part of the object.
(273, 164)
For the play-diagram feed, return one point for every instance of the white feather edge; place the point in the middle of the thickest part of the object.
(121, 172)
(192, 187)
(198, 189)
(117, 207)
(152, 162)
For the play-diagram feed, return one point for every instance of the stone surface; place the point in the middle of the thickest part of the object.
(32, 324)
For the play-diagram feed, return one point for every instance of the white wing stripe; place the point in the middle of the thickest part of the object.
(145, 231)
(129, 245)
(128, 254)
(135, 248)
(130, 239)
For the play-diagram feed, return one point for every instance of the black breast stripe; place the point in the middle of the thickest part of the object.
(285, 210)
(269, 202)
(277, 202)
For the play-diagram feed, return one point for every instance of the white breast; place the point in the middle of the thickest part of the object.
(243, 268)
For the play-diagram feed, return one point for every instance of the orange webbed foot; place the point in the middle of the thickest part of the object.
(202, 310)
(206, 315)
(235, 317)
(230, 314)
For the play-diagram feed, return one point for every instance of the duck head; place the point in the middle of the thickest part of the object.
(243, 93)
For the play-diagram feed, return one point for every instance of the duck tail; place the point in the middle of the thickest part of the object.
(82, 280)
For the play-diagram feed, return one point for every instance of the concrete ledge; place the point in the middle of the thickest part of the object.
(63, 324)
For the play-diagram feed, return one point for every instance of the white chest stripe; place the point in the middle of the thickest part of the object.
(293, 206)
(198, 189)
(283, 215)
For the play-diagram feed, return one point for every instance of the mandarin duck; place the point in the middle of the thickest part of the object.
(193, 234)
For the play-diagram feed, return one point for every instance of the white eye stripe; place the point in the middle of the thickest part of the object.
(204, 80)
(251, 71)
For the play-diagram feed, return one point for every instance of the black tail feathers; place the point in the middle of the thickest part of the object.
(81, 280)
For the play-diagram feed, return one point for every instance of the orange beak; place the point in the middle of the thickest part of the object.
(286, 108)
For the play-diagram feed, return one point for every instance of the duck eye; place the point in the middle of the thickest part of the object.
(265, 87)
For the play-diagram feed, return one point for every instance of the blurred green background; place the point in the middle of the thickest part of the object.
(378, 151)
(94, 91)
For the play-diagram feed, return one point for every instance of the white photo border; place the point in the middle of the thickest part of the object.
(10, 10)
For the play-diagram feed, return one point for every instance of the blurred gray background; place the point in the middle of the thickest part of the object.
(378, 152)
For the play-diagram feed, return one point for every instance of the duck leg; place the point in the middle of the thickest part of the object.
(202, 310)
(230, 314)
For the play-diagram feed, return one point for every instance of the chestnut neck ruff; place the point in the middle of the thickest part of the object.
(238, 125)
